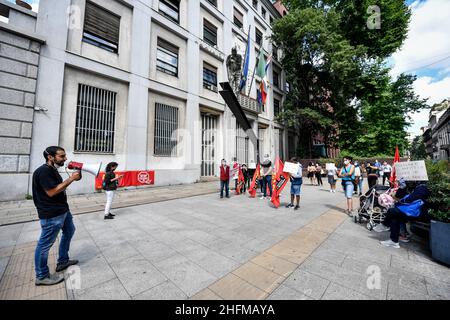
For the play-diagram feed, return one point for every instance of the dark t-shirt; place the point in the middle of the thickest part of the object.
(110, 185)
(45, 178)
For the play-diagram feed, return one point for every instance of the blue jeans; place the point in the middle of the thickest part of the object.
(348, 187)
(267, 181)
(49, 232)
(261, 185)
(224, 185)
(360, 184)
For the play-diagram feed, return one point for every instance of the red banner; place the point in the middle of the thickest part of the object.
(255, 183)
(241, 182)
(393, 176)
(279, 181)
(130, 178)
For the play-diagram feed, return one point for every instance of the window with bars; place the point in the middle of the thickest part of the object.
(209, 77)
(166, 124)
(261, 142)
(255, 4)
(170, 9)
(209, 33)
(259, 36)
(238, 18)
(167, 58)
(101, 28)
(263, 12)
(95, 120)
(241, 144)
(213, 2)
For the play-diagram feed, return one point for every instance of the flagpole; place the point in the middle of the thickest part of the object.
(254, 69)
(245, 57)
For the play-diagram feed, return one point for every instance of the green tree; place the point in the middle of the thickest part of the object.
(317, 60)
(385, 116)
(330, 64)
(417, 149)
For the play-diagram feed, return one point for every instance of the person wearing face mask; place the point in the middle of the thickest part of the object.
(386, 168)
(347, 174)
(50, 199)
(224, 179)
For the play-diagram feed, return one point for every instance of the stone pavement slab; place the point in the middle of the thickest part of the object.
(203, 247)
(22, 211)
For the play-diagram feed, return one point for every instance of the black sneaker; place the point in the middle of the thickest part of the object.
(113, 215)
(50, 280)
(296, 207)
(290, 205)
(109, 217)
(62, 266)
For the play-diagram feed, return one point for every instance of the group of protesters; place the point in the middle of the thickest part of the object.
(242, 176)
(351, 174)
(409, 200)
(261, 175)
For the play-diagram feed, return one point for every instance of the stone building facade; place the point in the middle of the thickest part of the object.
(19, 63)
(136, 82)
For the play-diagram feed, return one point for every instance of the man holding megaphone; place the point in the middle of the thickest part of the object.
(50, 199)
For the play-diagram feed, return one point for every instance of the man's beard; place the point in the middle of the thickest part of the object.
(58, 165)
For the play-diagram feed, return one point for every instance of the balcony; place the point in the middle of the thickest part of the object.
(249, 104)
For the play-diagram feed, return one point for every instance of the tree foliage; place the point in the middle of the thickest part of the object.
(338, 83)
(417, 149)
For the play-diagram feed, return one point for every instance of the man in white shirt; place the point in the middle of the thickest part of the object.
(358, 178)
(386, 167)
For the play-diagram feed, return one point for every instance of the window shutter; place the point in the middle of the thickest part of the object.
(101, 23)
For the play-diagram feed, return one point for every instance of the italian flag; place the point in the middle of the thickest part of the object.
(261, 72)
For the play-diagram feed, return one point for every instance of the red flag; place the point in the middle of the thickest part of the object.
(393, 177)
(255, 183)
(279, 181)
(241, 182)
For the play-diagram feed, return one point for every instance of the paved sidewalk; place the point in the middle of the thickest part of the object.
(24, 210)
(239, 248)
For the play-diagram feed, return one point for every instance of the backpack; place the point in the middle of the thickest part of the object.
(104, 182)
(411, 209)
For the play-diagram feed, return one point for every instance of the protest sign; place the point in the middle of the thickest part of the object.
(411, 170)
(291, 167)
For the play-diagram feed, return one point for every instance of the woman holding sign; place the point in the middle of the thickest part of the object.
(296, 184)
(331, 172)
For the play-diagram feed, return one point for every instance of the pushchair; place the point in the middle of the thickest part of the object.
(369, 207)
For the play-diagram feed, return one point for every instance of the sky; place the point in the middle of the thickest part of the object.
(426, 53)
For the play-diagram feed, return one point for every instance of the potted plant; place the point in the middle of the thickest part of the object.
(439, 184)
